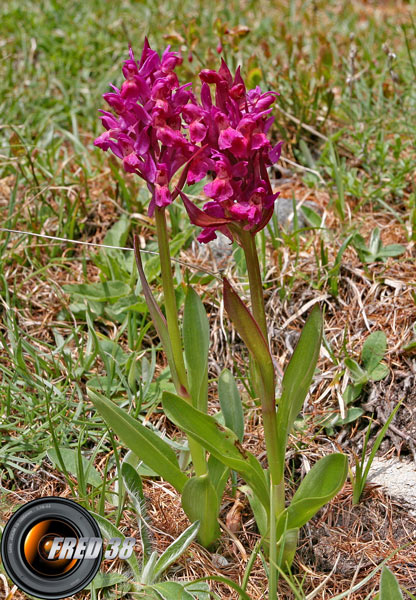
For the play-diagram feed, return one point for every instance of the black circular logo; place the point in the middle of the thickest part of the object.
(51, 548)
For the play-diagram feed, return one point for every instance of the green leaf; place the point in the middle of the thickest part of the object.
(109, 531)
(374, 349)
(322, 483)
(176, 549)
(145, 471)
(196, 345)
(314, 219)
(112, 350)
(158, 319)
(70, 460)
(391, 250)
(375, 250)
(99, 292)
(200, 503)
(351, 393)
(353, 413)
(218, 475)
(359, 242)
(297, 380)
(104, 580)
(117, 234)
(79, 309)
(134, 487)
(147, 574)
(230, 402)
(250, 332)
(172, 590)
(379, 372)
(148, 446)
(219, 441)
(411, 346)
(199, 590)
(138, 465)
(169, 590)
(130, 303)
(259, 512)
(232, 584)
(358, 375)
(375, 243)
(389, 588)
(333, 273)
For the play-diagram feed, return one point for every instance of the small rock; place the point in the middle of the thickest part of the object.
(397, 477)
(219, 561)
(221, 247)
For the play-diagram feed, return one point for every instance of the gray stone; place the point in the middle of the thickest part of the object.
(397, 477)
(221, 247)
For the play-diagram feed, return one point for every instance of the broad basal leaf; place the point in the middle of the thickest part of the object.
(200, 502)
(230, 403)
(320, 485)
(389, 588)
(99, 292)
(379, 372)
(297, 380)
(196, 344)
(219, 441)
(117, 234)
(148, 446)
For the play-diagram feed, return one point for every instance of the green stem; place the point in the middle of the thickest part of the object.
(270, 436)
(273, 546)
(280, 497)
(196, 450)
(254, 277)
(169, 294)
(267, 396)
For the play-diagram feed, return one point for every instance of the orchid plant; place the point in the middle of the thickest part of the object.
(169, 138)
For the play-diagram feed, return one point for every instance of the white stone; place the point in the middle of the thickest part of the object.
(397, 477)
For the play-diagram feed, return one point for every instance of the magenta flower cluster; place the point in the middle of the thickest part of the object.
(160, 127)
(146, 133)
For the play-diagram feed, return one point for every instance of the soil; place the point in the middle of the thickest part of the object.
(351, 540)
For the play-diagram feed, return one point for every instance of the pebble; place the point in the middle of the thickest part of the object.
(397, 477)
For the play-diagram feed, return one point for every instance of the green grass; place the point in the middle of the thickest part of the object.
(56, 60)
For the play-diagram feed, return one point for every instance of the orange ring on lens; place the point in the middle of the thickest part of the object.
(33, 555)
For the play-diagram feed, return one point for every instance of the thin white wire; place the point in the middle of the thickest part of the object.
(60, 239)
(51, 237)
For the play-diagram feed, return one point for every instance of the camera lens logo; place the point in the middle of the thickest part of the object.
(51, 548)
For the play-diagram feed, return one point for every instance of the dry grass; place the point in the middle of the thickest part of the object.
(370, 298)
